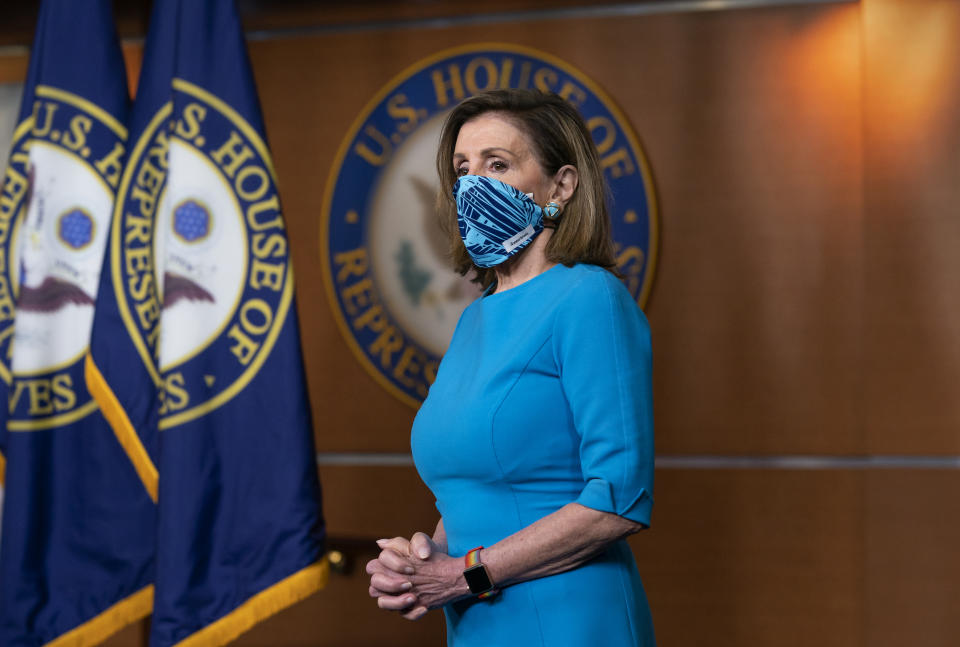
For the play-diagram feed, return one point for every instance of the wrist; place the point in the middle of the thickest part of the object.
(460, 587)
(475, 573)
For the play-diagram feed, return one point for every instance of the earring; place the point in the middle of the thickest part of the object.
(551, 210)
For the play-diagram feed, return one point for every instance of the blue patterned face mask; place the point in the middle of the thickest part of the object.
(496, 220)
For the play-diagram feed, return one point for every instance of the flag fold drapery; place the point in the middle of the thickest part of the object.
(77, 547)
(196, 356)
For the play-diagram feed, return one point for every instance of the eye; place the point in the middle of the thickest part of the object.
(461, 170)
(498, 165)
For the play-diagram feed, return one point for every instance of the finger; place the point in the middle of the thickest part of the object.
(396, 602)
(395, 562)
(389, 584)
(374, 566)
(398, 540)
(421, 545)
(374, 593)
(398, 544)
(415, 614)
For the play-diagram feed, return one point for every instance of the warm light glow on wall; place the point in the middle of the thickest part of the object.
(912, 52)
(826, 64)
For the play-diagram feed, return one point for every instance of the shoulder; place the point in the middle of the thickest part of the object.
(583, 277)
(470, 313)
(594, 292)
(599, 332)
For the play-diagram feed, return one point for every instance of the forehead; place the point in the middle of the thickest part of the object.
(490, 130)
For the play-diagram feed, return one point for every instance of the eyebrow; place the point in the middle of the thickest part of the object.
(485, 152)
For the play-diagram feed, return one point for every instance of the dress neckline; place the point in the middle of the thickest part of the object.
(489, 294)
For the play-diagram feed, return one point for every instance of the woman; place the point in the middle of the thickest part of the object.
(537, 435)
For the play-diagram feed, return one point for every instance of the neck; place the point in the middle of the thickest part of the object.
(527, 264)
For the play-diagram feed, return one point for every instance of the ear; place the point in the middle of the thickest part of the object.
(564, 184)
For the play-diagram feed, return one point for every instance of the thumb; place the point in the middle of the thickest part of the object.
(422, 545)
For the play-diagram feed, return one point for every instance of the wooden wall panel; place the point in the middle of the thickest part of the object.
(134, 635)
(756, 298)
(294, 14)
(913, 565)
(13, 69)
(132, 16)
(743, 558)
(912, 234)
(376, 502)
(751, 122)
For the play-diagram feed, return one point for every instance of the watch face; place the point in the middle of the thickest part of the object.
(477, 579)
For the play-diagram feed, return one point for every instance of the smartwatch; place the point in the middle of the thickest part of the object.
(476, 575)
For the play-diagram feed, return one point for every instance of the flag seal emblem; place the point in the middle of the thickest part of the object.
(51, 246)
(76, 228)
(191, 221)
(199, 185)
(393, 295)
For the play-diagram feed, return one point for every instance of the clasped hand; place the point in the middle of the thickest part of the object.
(415, 575)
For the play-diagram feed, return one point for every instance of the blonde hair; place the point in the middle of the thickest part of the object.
(558, 137)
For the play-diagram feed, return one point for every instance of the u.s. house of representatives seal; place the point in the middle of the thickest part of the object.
(55, 208)
(199, 253)
(394, 295)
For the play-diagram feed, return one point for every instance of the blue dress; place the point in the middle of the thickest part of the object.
(543, 399)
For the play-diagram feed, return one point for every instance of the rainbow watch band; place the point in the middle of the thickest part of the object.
(472, 559)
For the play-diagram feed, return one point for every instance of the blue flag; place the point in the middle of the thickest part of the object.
(76, 555)
(196, 353)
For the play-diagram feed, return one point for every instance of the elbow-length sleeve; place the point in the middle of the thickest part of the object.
(602, 347)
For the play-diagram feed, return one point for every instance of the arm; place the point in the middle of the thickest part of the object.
(556, 543)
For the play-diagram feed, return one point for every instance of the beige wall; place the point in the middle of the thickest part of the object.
(807, 164)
